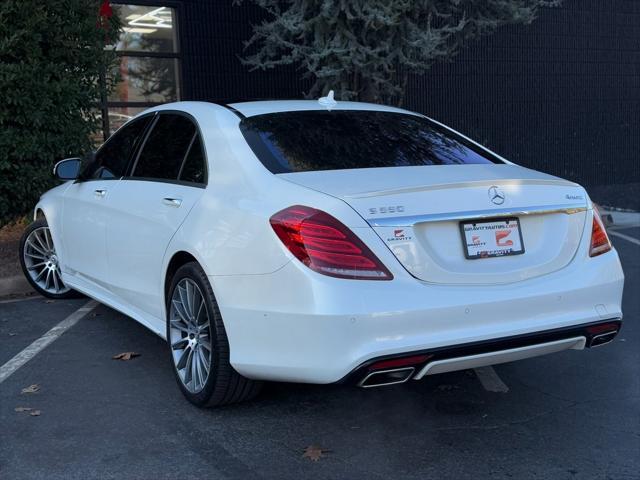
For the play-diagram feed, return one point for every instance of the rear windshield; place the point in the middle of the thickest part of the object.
(321, 140)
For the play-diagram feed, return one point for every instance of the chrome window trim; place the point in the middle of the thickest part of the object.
(411, 220)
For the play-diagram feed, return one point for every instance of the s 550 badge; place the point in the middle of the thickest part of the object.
(389, 209)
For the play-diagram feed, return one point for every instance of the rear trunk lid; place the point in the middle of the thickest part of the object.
(421, 212)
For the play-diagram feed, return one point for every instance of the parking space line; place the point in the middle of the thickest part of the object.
(45, 340)
(490, 380)
(14, 300)
(615, 228)
(625, 237)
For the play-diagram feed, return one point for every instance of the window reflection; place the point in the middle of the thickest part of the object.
(146, 79)
(148, 72)
(118, 116)
(345, 139)
(147, 29)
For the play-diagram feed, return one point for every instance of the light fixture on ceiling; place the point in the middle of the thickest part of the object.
(158, 18)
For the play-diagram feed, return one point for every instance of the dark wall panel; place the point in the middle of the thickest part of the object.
(213, 35)
(561, 95)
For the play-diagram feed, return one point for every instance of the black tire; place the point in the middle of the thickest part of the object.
(40, 224)
(224, 385)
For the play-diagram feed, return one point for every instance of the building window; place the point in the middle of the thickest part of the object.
(149, 66)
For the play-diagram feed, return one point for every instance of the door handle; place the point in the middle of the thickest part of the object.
(172, 202)
(100, 192)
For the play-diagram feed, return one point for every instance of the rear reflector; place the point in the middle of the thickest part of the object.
(599, 240)
(603, 327)
(400, 362)
(325, 245)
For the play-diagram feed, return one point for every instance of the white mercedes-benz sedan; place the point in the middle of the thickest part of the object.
(322, 242)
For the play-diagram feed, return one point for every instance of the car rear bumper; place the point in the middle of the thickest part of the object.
(491, 352)
(297, 325)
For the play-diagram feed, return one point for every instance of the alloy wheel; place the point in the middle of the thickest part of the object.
(190, 335)
(41, 261)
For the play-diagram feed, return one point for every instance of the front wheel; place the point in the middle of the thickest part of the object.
(198, 343)
(40, 264)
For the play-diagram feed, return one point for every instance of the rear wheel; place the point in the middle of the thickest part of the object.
(40, 264)
(198, 343)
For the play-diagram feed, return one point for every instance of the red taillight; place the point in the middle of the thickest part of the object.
(599, 240)
(325, 245)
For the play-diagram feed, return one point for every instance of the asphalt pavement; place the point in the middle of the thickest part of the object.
(572, 415)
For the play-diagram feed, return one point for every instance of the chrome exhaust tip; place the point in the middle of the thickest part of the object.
(602, 339)
(382, 378)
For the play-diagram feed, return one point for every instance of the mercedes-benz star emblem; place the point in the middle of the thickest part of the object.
(496, 195)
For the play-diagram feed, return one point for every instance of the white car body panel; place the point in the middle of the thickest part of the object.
(357, 321)
(286, 322)
(250, 109)
(85, 215)
(435, 198)
(137, 236)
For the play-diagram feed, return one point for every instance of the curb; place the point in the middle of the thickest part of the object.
(607, 218)
(15, 285)
(620, 219)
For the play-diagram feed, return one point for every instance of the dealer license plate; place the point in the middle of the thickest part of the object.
(492, 238)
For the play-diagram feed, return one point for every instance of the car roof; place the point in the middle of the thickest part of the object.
(249, 109)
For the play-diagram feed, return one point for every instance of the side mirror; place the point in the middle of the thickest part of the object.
(67, 169)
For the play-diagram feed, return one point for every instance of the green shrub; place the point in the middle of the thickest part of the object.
(51, 56)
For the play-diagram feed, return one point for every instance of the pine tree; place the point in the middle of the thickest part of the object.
(366, 49)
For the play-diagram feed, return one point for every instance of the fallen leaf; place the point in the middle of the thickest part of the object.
(126, 356)
(314, 453)
(31, 388)
(35, 413)
(12, 334)
(23, 409)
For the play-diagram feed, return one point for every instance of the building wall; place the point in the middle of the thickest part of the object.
(561, 95)
(212, 34)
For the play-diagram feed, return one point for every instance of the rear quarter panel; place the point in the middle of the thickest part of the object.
(228, 231)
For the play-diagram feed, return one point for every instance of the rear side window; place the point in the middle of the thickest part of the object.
(194, 167)
(165, 148)
(345, 139)
(112, 158)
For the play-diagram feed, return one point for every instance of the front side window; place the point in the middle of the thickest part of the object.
(172, 151)
(344, 139)
(111, 160)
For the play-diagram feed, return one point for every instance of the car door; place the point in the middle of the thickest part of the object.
(87, 203)
(167, 179)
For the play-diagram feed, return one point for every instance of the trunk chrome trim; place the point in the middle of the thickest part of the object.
(411, 220)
